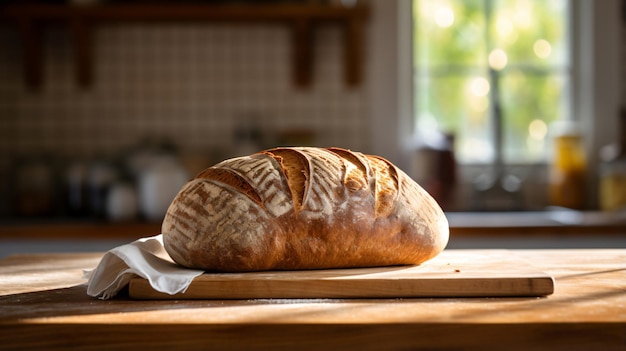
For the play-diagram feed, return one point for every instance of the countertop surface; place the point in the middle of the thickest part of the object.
(43, 304)
(557, 229)
(537, 223)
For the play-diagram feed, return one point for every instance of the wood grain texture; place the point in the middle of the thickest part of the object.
(451, 274)
(586, 312)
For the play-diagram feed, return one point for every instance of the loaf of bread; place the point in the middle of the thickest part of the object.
(302, 208)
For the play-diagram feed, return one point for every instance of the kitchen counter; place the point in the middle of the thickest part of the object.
(550, 222)
(562, 222)
(468, 230)
(43, 304)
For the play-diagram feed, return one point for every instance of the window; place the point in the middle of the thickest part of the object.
(496, 73)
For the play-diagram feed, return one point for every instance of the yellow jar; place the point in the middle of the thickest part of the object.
(568, 172)
(613, 186)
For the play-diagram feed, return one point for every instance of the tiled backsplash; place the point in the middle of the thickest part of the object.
(190, 83)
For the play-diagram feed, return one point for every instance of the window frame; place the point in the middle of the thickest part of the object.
(595, 83)
(496, 121)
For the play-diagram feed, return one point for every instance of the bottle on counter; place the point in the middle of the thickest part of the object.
(122, 202)
(434, 167)
(76, 191)
(33, 186)
(101, 175)
(568, 168)
(158, 184)
(612, 194)
(248, 136)
(155, 172)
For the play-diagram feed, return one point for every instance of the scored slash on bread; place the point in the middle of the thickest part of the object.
(230, 178)
(303, 208)
(296, 168)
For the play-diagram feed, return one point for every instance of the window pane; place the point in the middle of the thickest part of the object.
(458, 104)
(450, 32)
(530, 32)
(462, 47)
(530, 103)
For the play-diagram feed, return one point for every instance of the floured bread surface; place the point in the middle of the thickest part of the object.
(303, 208)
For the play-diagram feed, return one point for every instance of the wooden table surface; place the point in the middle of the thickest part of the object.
(43, 305)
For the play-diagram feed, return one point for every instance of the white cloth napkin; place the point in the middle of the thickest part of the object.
(144, 257)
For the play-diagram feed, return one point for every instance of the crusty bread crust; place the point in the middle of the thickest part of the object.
(303, 208)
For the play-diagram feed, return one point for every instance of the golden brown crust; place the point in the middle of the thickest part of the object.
(296, 169)
(303, 208)
(230, 178)
(386, 178)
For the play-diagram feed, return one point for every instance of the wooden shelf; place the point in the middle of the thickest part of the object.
(300, 18)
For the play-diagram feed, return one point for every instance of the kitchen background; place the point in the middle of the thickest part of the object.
(198, 91)
(208, 91)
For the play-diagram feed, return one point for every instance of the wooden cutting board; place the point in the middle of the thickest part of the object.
(454, 273)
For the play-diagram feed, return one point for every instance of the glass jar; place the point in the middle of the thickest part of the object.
(613, 185)
(568, 169)
(612, 190)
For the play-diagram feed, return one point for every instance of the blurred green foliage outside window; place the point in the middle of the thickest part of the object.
(475, 57)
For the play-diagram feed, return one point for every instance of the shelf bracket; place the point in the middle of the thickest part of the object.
(32, 52)
(83, 59)
(353, 50)
(302, 47)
